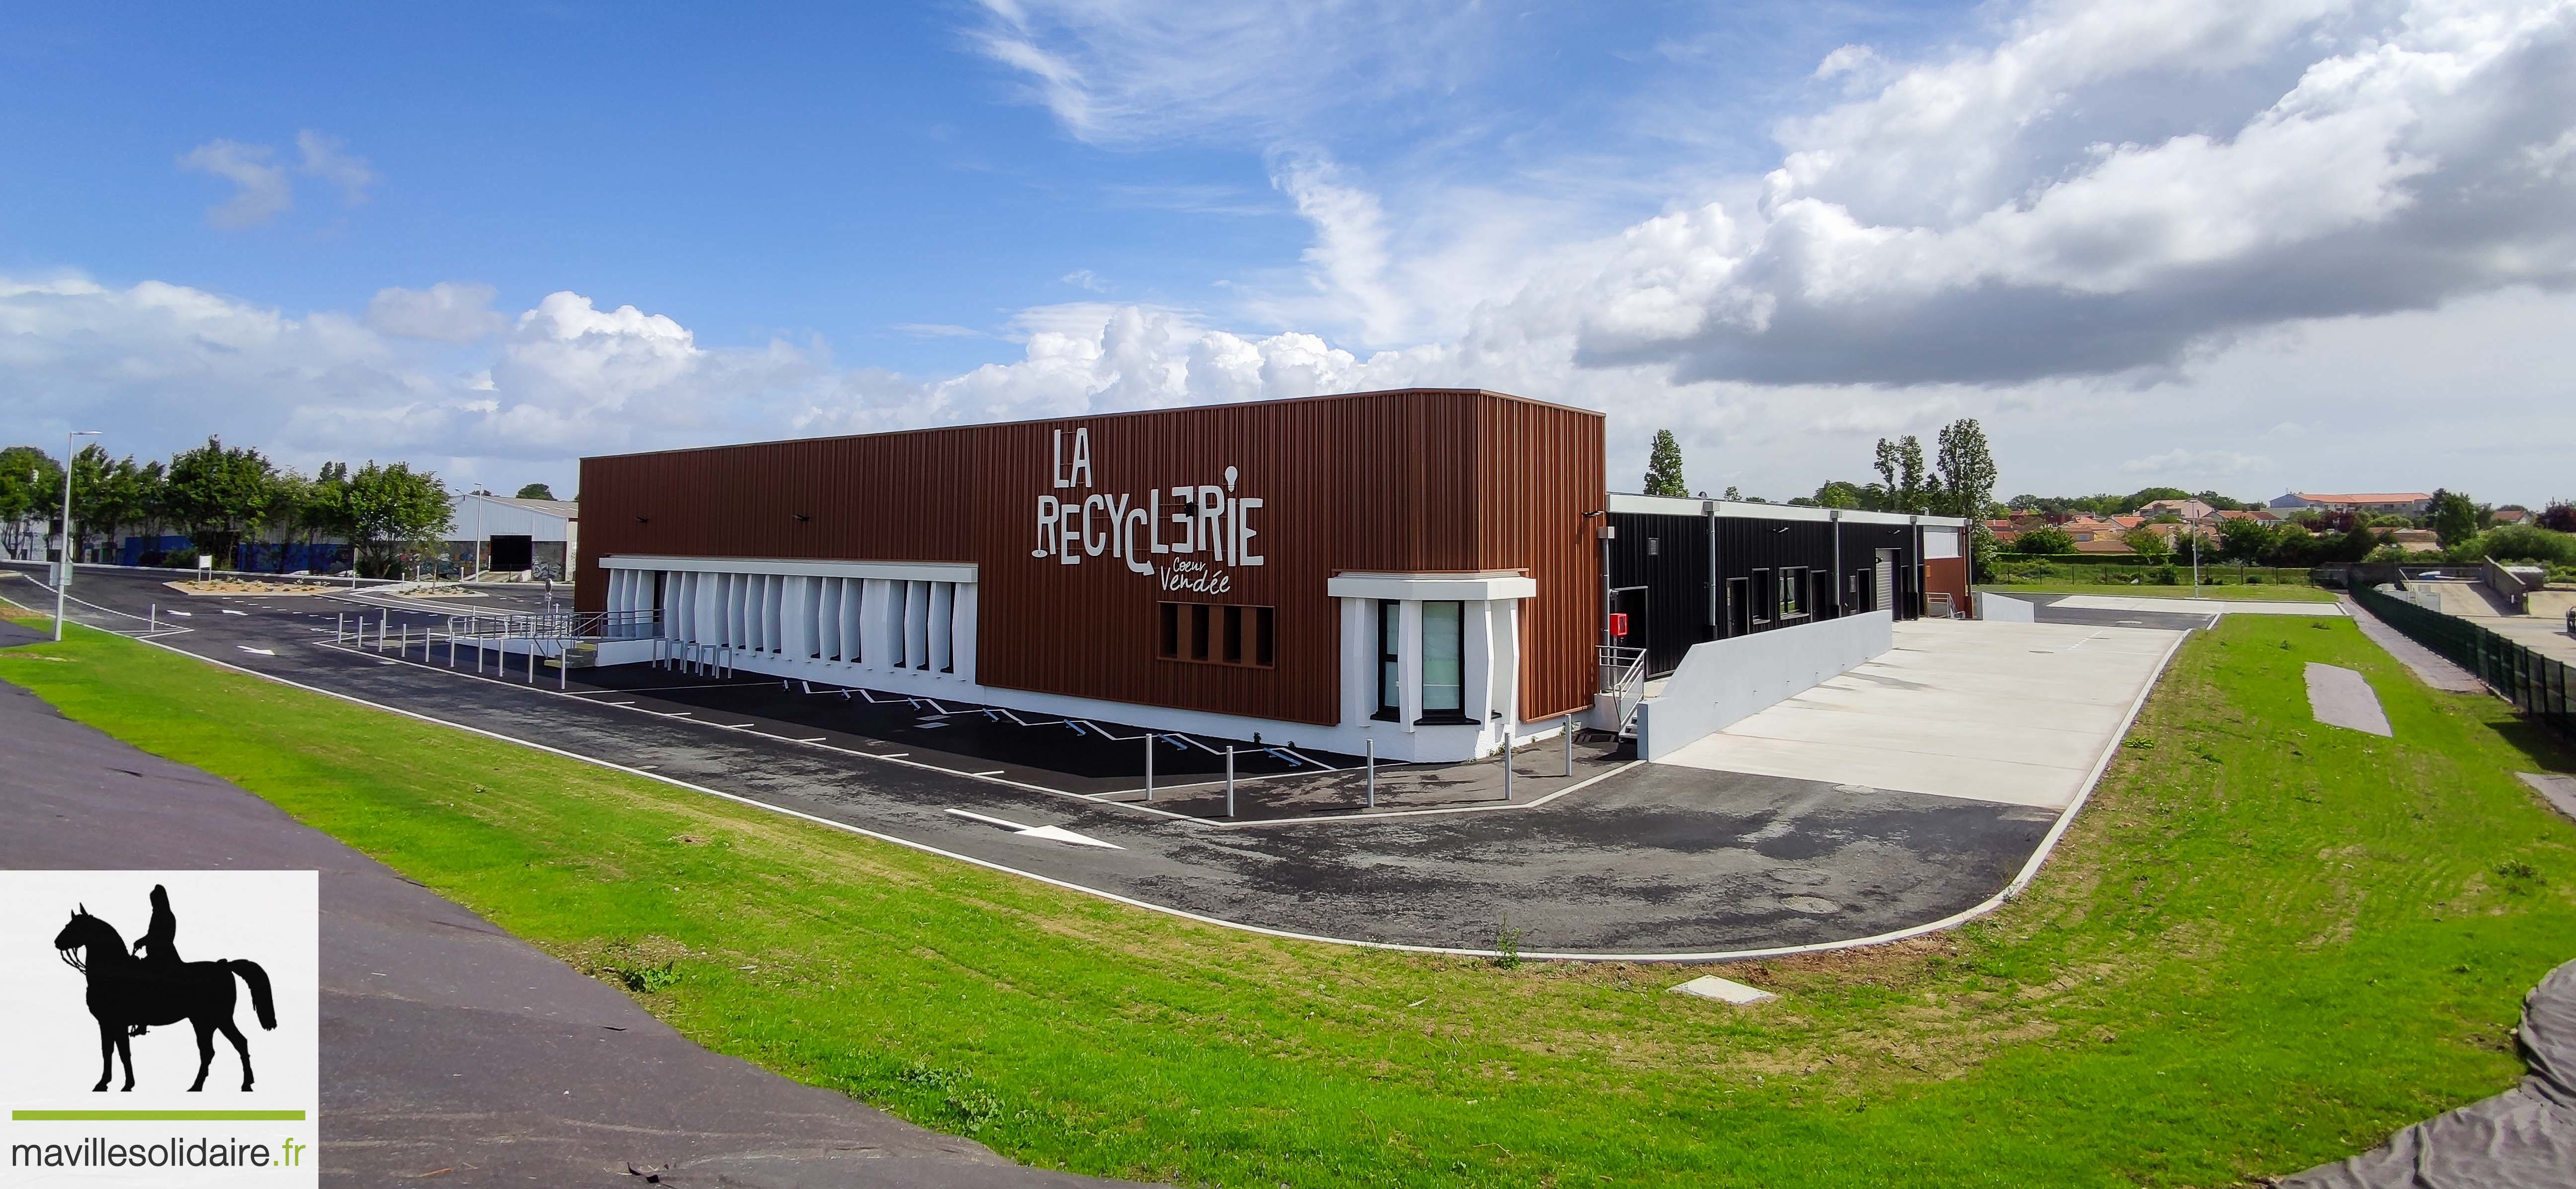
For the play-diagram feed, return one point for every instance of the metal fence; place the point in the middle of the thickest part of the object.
(2535, 684)
(567, 624)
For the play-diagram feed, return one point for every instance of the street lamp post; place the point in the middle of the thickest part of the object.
(63, 577)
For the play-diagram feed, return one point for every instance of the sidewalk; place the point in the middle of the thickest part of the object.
(2431, 667)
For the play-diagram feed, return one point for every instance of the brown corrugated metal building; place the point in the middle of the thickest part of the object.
(1221, 565)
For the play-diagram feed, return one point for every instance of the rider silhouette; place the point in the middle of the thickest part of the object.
(160, 937)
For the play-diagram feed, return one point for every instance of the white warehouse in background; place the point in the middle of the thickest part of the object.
(500, 535)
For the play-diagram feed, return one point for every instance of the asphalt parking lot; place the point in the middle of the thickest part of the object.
(1620, 861)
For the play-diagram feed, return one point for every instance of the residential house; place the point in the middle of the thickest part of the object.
(2376, 503)
(2416, 540)
(2188, 509)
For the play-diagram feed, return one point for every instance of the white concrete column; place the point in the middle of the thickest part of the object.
(774, 604)
(816, 616)
(1506, 666)
(961, 633)
(1359, 660)
(728, 597)
(943, 607)
(853, 592)
(709, 596)
(1409, 650)
(916, 626)
(796, 617)
(1475, 675)
(881, 622)
(827, 618)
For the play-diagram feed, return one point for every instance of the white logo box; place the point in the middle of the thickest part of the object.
(59, 1131)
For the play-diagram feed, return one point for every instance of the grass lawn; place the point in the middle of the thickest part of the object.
(2264, 591)
(2265, 945)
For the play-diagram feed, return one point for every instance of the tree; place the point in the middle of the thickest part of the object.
(2523, 542)
(2559, 517)
(31, 488)
(1663, 438)
(1663, 467)
(393, 510)
(2244, 541)
(2147, 542)
(2044, 540)
(1838, 494)
(1967, 470)
(109, 495)
(2452, 517)
(218, 493)
(2145, 496)
(1900, 472)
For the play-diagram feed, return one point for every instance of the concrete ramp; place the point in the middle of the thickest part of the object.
(2018, 713)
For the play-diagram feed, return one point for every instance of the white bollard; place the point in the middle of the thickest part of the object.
(1372, 773)
(1229, 780)
(1569, 745)
(153, 622)
(339, 627)
(1507, 765)
(1149, 765)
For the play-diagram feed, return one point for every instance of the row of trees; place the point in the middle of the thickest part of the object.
(2291, 543)
(219, 496)
(2108, 504)
(1960, 480)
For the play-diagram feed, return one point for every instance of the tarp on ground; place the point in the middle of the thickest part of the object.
(2524, 1136)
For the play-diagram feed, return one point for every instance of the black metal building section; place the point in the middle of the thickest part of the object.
(1768, 573)
(1659, 576)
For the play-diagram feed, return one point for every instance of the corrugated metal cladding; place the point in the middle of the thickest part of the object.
(1659, 567)
(1414, 480)
(1660, 571)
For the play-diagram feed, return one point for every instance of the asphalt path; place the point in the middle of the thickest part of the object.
(1646, 861)
(452, 1053)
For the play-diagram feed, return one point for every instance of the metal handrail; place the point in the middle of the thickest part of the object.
(1623, 677)
(560, 625)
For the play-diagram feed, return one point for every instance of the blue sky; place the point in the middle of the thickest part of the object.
(2191, 243)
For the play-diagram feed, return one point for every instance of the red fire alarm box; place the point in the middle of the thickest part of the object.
(1618, 625)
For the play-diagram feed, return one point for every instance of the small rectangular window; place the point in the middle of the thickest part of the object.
(1792, 584)
(1390, 665)
(1444, 648)
(1216, 634)
(1762, 596)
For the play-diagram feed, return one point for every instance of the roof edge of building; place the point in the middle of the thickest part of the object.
(1123, 413)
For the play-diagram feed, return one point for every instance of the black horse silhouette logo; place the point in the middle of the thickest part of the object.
(129, 994)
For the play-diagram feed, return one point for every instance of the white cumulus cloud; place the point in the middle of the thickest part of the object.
(448, 312)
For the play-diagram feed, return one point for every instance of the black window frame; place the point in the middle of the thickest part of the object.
(1390, 663)
(1226, 635)
(1451, 717)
